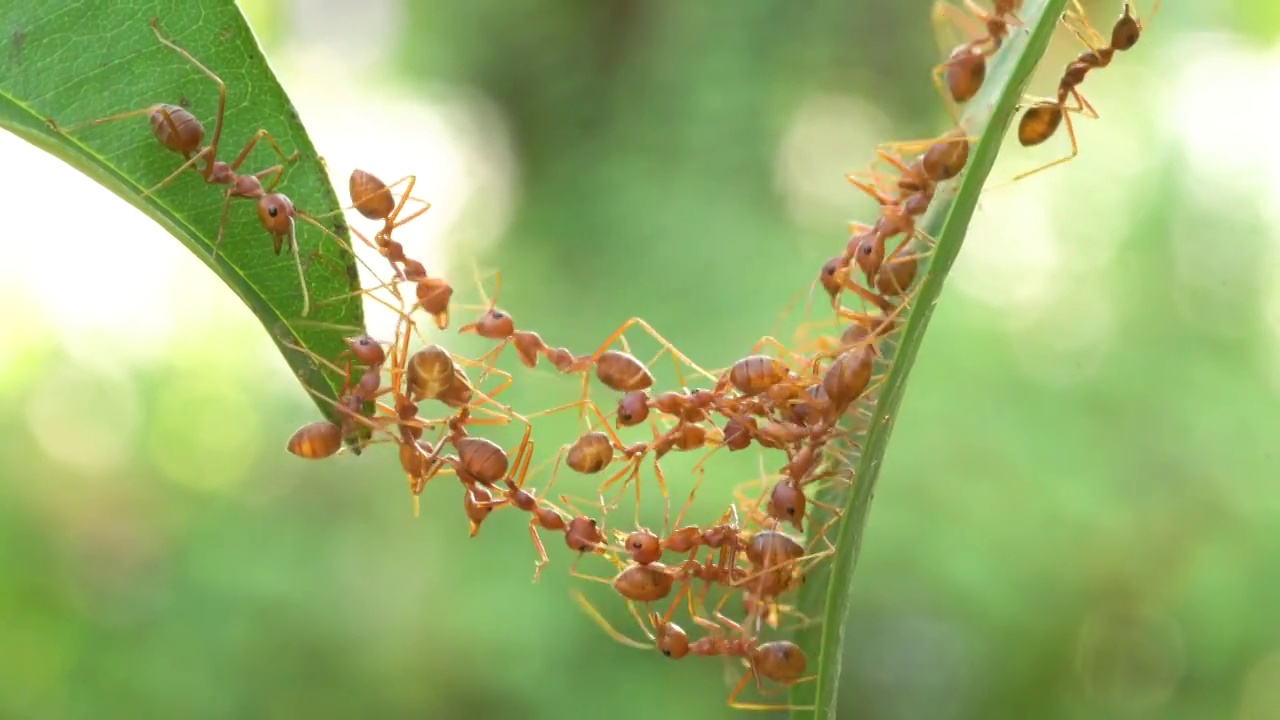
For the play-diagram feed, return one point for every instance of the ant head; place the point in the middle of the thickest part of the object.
(644, 547)
(633, 408)
(366, 350)
(477, 503)
(583, 534)
(495, 324)
(832, 277)
(787, 503)
(275, 212)
(434, 295)
(737, 433)
(673, 641)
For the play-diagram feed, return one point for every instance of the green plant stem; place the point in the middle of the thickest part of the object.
(827, 592)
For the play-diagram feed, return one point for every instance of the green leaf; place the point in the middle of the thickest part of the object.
(75, 61)
(827, 590)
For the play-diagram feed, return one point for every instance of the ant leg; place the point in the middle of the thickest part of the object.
(68, 129)
(666, 499)
(821, 532)
(981, 12)
(953, 108)
(330, 236)
(781, 318)
(222, 96)
(1155, 8)
(253, 141)
(876, 193)
(972, 22)
(1084, 32)
(543, 560)
(276, 170)
(632, 470)
(222, 224)
(1083, 107)
(666, 345)
(732, 701)
(396, 211)
(605, 625)
(1071, 135)
(583, 405)
(292, 236)
(915, 146)
(740, 490)
(368, 291)
(777, 344)
(191, 161)
(699, 473)
(392, 221)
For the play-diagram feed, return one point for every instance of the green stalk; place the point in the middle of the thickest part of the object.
(827, 590)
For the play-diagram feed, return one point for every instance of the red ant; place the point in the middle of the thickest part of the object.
(178, 130)
(960, 76)
(372, 198)
(618, 370)
(781, 661)
(1043, 117)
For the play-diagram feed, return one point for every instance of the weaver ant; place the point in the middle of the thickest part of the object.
(1043, 117)
(618, 370)
(178, 130)
(960, 76)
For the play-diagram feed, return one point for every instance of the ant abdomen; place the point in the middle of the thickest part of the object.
(779, 660)
(481, 460)
(1127, 30)
(964, 73)
(644, 583)
(754, 374)
(370, 196)
(1039, 123)
(315, 441)
(177, 129)
(622, 372)
(590, 453)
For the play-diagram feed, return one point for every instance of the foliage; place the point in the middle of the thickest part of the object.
(988, 116)
(73, 62)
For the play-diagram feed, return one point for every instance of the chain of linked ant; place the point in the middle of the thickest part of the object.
(806, 401)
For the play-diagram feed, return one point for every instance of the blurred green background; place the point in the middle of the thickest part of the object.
(1076, 518)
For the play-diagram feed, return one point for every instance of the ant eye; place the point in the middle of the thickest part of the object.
(593, 522)
(791, 511)
(667, 653)
(272, 211)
